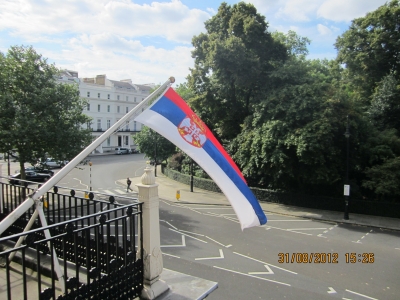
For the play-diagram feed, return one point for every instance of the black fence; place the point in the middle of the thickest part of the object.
(358, 206)
(89, 249)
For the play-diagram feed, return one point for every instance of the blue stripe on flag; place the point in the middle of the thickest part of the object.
(214, 153)
(169, 110)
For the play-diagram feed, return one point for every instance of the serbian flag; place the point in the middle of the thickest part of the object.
(172, 118)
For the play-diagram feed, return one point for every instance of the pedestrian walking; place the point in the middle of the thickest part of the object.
(128, 183)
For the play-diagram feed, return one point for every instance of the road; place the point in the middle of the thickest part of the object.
(289, 258)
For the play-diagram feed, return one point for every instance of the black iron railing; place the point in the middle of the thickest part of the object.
(95, 243)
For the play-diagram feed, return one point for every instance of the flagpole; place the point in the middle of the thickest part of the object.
(35, 196)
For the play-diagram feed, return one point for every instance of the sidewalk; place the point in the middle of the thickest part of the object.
(167, 190)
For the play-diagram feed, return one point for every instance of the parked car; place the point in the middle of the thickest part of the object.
(38, 170)
(30, 176)
(121, 150)
(51, 163)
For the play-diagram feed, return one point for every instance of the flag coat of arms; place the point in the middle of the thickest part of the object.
(172, 118)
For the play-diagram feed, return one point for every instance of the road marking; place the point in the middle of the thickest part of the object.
(170, 255)
(188, 236)
(305, 229)
(358, 242)
(263, 273)
(264, 263)
(108, 192)
(320, 235)
(289, 220)
(212, 207)
(218, 242)
(331, 291)
(221, 256)
(173, 246)
(169, 224)
(289, 230)
(361, 295)
(274, 281)
(191, 232)
(120, 192)
(397, 248)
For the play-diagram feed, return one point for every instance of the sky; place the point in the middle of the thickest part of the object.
(149, 41)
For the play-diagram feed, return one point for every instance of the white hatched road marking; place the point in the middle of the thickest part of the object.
(249, 275)
(264, 263)
(221, 256)
(188, 236)
(289, 221)
(361, 295)
(173, 246)
(227, 246)
(305, 229)
(263, 273)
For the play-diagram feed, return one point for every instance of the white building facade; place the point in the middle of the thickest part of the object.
(109, 100)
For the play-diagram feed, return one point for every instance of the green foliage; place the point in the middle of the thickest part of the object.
(370, 47)
(38, 115)
(232, 65)
(153, 145)
(385, 104)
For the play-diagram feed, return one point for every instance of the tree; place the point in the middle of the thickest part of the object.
(38, 116)
(370, 48)
(233, 61)
(155, 146)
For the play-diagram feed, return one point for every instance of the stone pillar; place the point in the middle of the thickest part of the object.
(152, 255)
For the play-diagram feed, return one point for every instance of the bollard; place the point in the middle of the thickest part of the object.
(178, 194)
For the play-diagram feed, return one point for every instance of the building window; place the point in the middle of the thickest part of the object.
(134, 125)
(88, 107)
(126, 140)
(126, 125)
(126, 110)
(98, 107)
(127, 98)
(142, 99)
(108, 141)
(118, 109)
(98, 95)
(88, 125)
(98, 124)
(117, 97)
(88, 94)
(134, 99)
(108, 96)
(108, 124)
(108, 108)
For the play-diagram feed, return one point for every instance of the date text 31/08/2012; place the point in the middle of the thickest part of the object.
(322, 258)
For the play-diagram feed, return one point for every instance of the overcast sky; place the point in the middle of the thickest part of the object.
(148, 41)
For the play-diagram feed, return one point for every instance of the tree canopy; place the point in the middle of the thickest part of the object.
(38, 116)
(233, 61)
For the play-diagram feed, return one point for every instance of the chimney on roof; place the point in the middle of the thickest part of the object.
(101, 79)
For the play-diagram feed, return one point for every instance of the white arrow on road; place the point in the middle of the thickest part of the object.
(263, 273)
(331, 291)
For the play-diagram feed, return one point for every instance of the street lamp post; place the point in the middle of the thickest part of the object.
(90, 175)
(347, 185)
(191, 175)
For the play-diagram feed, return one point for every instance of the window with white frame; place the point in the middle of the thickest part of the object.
(88, 94)
(134, 125)
(88, 107)
(98, 107)
(108, 124)
(98, 95)
(99, 124)
(126, 109)
(108, 96)
(108, 141)
(117, 97)
(108, 108)
(127, 125)
(89, 125)
(127, 140)
(134, 99)
(127, 98)
(118, 109)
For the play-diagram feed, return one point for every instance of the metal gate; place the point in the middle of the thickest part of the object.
(96, 243)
